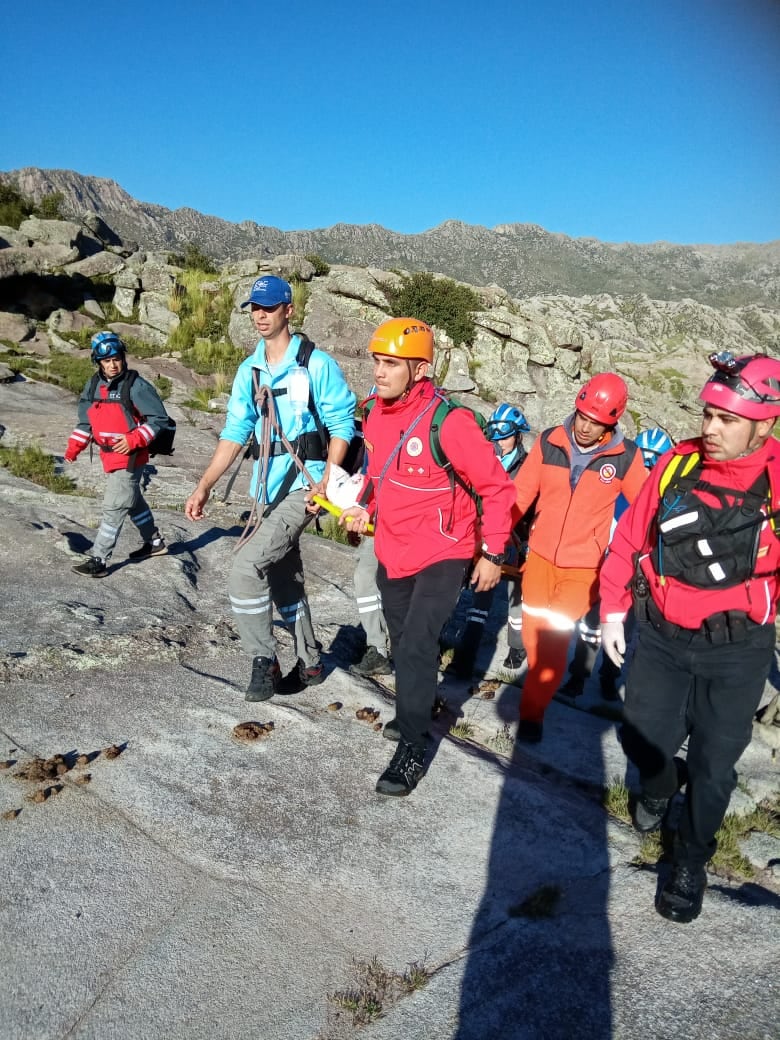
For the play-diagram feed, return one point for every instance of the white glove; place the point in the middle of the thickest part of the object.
(342, 489)
(613, 641)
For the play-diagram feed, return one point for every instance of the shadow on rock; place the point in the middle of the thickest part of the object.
(540, 952)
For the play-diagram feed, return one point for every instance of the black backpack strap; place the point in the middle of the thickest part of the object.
(125, 390)
(305, 350)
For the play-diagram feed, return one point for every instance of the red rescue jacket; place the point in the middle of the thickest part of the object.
(420, 518)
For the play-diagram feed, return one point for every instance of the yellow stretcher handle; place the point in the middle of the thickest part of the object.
(325, 504)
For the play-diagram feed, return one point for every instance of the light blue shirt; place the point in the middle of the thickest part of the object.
(334, 401)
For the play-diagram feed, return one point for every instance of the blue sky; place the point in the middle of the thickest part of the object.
(632, 120)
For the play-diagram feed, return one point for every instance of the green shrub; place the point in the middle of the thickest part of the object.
(14, 207)
(61, 369)
(321, 267)
(300, 297)
(163, 385)
(32, 463)
(203, 316)
(207, 357)
(329, 528)
(193, 259)
(439, 301)
(196, 260)
(50, 206)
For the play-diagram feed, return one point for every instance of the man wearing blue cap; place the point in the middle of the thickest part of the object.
(267, 569)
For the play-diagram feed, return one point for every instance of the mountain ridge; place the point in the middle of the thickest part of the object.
(525, 259)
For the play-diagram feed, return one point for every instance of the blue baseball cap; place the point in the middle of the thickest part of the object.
(268, 291)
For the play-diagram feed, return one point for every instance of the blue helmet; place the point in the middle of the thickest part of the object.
(653, 443)
(506, 421)
(107, 345)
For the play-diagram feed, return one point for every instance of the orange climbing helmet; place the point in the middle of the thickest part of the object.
(403, 338)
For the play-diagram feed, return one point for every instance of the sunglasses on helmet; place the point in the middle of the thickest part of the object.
(727, 371)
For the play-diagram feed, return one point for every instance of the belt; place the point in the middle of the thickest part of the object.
(309, 447)
(727, 626)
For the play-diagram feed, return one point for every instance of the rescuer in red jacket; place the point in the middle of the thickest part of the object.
(122, 436)
(699, 550)
(428, 528)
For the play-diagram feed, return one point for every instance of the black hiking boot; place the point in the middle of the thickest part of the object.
(265, 679)
(648, 813)
(156, 547)
(93, 566)
(681, 897)
(515, 659)
(392, 730)
(372, 663)
(404, 772)
(299, 677)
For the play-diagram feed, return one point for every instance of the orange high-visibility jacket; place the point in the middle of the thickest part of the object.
(572, 526)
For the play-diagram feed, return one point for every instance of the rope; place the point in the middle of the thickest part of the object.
(269, 421)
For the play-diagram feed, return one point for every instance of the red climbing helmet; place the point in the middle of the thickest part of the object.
(603, 399)
(748, 386)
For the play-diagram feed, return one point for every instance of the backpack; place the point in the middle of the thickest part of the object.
(163, 442)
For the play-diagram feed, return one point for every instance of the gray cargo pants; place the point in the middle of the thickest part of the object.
(122, 498)
(368, 596)
(268, 570)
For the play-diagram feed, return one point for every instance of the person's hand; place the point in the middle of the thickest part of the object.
(193, 507)
(315, 489)
(613, 641)
(485, 575)
(355, 519)
(120, 445)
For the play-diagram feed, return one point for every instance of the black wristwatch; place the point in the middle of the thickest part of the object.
(497, 558)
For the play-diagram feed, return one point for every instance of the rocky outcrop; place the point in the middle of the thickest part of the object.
(57, 282)
(524, 258)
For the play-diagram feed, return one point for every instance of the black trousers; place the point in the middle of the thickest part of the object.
(682, 686)
(416, 609)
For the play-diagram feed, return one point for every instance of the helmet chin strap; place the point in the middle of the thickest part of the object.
(410, 381)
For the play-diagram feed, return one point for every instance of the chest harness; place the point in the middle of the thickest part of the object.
(708, 546)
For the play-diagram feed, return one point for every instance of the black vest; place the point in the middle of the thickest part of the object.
(708, 546)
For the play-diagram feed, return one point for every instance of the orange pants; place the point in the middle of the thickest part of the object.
(554, 599)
